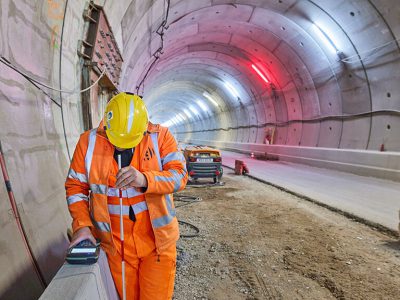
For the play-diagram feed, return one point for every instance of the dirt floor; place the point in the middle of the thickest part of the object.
(257, 242)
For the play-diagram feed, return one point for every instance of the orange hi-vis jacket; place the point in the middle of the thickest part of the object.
(87, 184)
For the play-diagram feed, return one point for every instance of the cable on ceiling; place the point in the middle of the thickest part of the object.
(368, 53)
(313, 120)
(5, 61)
(31, 79)
(156, 55)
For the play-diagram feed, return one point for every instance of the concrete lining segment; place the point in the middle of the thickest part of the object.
(370, 199)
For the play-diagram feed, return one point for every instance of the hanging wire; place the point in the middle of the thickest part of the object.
(313, 120)
(156, 55)
(13, 67)
(368, 53)
(33, 83)
(60, 81)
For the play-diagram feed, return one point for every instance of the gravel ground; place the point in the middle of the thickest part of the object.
(257, 242)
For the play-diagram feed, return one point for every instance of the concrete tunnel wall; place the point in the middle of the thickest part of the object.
(206, 44)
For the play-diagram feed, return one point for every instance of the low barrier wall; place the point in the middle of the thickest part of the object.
(78, 282)
(385, 165)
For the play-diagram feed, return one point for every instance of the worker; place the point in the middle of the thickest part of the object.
(152, 169)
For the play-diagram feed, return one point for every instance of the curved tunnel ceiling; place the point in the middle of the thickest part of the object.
(308, 51)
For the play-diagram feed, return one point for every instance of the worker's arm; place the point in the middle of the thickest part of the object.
(173, 176)
(77, 189)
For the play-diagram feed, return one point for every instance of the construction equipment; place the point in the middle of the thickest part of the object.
(203, 162)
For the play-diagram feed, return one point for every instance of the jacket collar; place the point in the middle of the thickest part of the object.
(151, 128)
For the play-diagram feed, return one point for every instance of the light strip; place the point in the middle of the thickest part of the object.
(194, 110)
(179, 118)
(208, 96)
(202, 105)
(232, 89)
(260, 73)
(189, 115)
(325, 38)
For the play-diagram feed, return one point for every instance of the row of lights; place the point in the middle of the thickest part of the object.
(181, 117)
(192, 112)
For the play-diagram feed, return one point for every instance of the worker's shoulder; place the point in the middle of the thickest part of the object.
(86, 133)
(84, 137)
(151, 127)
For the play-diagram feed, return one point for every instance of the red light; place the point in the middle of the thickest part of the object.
(191, 173)
(260, 73)
(217, 159)
(192, 159)
(217, 173)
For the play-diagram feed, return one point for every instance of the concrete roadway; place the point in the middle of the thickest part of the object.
(374, 200)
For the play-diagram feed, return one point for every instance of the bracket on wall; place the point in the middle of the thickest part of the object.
(100, 53)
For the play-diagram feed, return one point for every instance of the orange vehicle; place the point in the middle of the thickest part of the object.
(203, 162)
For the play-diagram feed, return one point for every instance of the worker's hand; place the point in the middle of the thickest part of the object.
(130, 177)
(82, 234)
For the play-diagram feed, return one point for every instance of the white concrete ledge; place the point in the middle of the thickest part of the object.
(384, 165)
(78, 282)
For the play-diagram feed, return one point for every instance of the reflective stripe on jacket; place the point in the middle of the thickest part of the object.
(162, 165)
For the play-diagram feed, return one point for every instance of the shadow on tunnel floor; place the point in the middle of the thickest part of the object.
(393, 245)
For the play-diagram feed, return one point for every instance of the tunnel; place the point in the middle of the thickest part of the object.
(313, 83)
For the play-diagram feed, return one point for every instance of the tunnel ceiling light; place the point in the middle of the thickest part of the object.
(179, 118)
(194, 110)
(175, 120)
(183, 116)
(232, 89)
(208, 96)
(325, 38)
(260, 73)
(202, 105)
(187, 113)
(169, 123)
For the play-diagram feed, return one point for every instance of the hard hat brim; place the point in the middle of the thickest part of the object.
(123, 140)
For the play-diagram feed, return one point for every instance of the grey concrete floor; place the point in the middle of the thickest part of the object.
(372, 199)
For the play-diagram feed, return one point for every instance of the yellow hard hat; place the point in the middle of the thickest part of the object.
(126, 120)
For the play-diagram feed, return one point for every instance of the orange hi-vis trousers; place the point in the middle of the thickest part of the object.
(148, 276)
